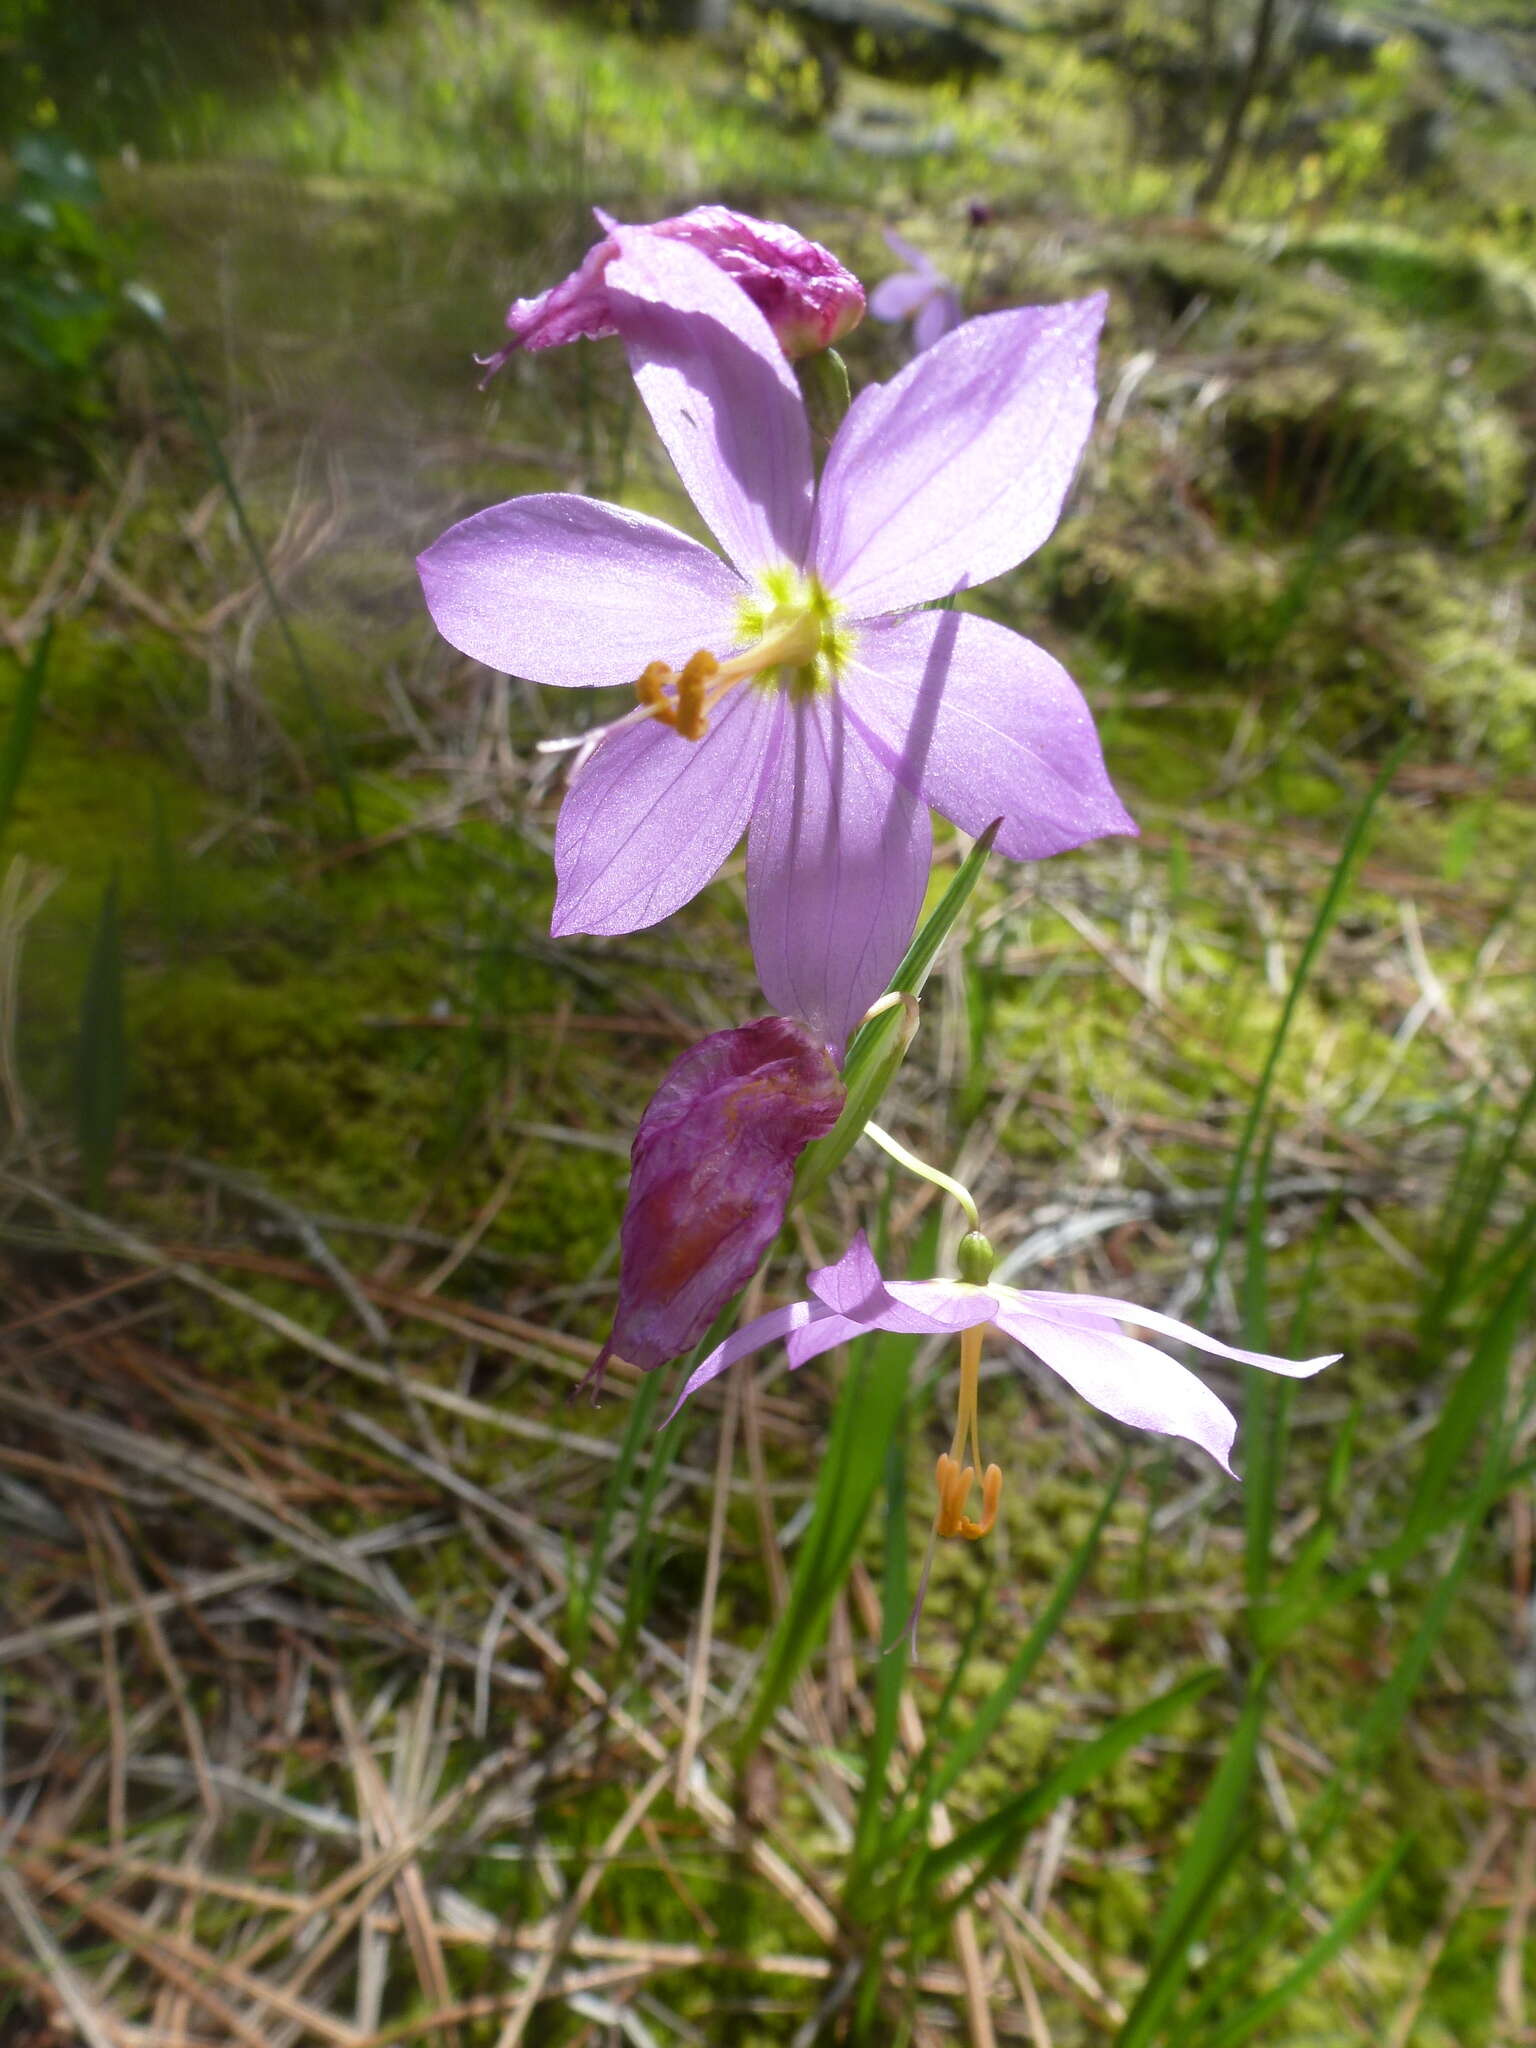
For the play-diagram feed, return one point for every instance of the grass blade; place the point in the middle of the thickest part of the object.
(990, 1842)
(101, 1070)
(16, 747)
(1322, 924)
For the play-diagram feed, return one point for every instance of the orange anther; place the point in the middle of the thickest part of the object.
(955, 1482)
(692, 684)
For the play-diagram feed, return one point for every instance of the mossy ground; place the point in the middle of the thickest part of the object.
(1299, 537)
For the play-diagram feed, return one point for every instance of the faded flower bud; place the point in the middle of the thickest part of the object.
(807, 297)
(712, 1165)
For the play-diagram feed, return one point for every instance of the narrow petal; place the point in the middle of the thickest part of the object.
(1168, 1326)
(936, 317)
(1129, 1380)
(779, 1322)
(565, 590)
(982, 724)
(650, 818)
(812, 1339)
(957, 469)
(721, 394)
(899, 296)
(837, 863)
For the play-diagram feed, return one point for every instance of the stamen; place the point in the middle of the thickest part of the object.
(686, 708)
(954, 1479)
(955, 1482)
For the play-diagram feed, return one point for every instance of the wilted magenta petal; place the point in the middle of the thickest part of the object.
(721, 395)
(566, 590)
(804, 293)
(778, 1322)
(837, 863)
(982, 724)
(939, 313)
(1169, 1326)
(957, 468)
(939, 1306)
(807, 297)
(1124, 1378)
(712, 1165)
(651, 816)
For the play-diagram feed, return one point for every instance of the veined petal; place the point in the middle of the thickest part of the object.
(940, 1306)
(649, 819)
(812, 1339)
(852, 1285)
(1067, 1306)
(721, 394)
(562, 589)
(765, 1330)
(1122, 1377)
(837, 862)
(982, 724)
(957, 469)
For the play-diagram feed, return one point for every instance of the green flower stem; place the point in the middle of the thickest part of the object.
(913, 1164)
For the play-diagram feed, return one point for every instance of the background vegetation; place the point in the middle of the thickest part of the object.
(356, 1689)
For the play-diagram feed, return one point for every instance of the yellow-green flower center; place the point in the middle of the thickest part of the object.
(792, 639)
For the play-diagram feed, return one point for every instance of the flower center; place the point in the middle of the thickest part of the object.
(956, 1479)
(791, 635)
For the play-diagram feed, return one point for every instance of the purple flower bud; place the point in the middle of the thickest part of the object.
(712, 1166)
(807, 297)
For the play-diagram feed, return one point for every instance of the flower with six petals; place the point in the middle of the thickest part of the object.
(1077, 1336)
(792, 690)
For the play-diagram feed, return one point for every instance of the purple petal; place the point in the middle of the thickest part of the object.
(712, 1166)
(957, 469)
(942, 313)
(565, 590)
(779, 1322)
(982, 724)
(851, 1285)
(837, 863)
(810, 1342)
(909, 253)
(943, 1306)
(900, 295)
(1128, 1380)
(721, 395)
(650, 818)
(854, 1290)
(807, 297)
(1069, 1305)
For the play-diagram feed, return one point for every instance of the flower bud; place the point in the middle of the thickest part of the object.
(713, 1162)
(805, 294)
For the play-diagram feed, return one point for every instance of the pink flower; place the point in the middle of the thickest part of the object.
(1077, 1336)
(794, 691)
(804, 293)
(713, 1162)
(921, 293)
